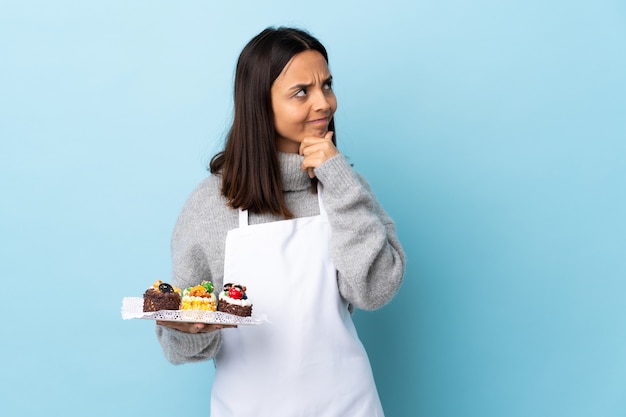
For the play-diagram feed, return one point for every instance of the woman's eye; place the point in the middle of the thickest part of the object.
(328, 85)
(301, 93)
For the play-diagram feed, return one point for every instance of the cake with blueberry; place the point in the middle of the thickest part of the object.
(199, 297)
(161, 296)
(233, 300)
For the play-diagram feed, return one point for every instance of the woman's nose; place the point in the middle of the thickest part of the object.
(320, 101)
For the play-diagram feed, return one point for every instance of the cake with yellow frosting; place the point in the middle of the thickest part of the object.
(199, 297)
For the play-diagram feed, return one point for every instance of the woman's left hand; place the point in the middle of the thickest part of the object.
(316, 151)
(193, 327)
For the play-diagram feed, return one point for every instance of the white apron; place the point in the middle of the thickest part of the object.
(308, 360)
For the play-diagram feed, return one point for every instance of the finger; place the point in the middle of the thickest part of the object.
(310, 141)
(316, 156)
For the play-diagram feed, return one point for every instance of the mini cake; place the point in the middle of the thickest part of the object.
(199, 297)
(233, 300)
(161, 296)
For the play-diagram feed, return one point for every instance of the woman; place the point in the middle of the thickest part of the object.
(284, 213)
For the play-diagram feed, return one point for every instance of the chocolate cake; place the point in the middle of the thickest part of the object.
(233, 300)
(161, 296)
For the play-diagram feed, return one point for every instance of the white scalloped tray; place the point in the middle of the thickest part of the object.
(132, 308)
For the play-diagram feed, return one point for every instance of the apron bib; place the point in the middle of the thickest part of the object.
(308, 360)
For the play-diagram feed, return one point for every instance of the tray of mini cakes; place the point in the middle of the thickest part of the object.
(197, 304)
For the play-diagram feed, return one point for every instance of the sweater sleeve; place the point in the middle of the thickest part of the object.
(366, 251)
(190, 247)
(180, 347)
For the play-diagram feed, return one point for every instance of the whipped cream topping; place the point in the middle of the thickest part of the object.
(230, 300)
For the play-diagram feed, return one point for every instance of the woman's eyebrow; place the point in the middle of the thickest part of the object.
(300, 86)
(305, 86)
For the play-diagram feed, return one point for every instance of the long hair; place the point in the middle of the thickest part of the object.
(248, 165)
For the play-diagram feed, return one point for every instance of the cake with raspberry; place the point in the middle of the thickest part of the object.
(233, 300)
(199, 297)
(161, 296)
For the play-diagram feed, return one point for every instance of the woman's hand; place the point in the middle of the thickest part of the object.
(193, 327)
(316, 151)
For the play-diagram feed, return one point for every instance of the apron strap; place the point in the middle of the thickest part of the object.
(319, 199)
(243, 218)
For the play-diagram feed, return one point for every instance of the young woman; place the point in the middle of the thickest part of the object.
(285, 214)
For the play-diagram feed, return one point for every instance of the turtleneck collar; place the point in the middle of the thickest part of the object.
(294, 179)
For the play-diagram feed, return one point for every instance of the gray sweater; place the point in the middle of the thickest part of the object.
(365, 249)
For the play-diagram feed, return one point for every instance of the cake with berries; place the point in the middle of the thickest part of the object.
(199, 297)
(161, 296)
(233, 300)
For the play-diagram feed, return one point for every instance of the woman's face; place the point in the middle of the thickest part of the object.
(302, 100)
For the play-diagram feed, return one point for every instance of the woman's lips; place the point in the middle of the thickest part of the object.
(320, 122)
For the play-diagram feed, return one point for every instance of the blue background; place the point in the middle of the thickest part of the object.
(492, 131)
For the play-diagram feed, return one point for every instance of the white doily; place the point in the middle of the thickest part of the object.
(132, 308)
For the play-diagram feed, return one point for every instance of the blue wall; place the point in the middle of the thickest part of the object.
(492, 131)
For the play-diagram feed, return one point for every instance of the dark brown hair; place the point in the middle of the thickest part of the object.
(248, 165)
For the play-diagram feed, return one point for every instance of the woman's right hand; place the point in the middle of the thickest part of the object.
(193, 327)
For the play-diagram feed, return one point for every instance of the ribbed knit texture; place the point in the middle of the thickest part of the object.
(365, 249)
